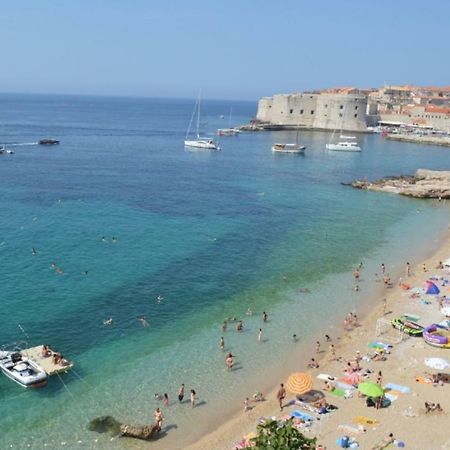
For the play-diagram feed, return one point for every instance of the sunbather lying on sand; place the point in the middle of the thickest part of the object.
(388, 440)
(431, 407)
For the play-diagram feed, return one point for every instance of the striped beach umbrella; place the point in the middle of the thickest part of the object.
(299, 382)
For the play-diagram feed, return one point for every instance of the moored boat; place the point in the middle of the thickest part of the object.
(288, 148)
(21, 370)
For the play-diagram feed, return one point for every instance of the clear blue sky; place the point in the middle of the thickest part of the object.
(236, 49)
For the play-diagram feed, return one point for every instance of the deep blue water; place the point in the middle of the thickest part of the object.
(212, 232)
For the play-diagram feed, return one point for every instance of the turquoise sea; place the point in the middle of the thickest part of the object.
(213, 233)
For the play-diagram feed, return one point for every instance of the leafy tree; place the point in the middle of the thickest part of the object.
(272, 436)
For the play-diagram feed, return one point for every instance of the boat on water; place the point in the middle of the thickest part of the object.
(22, 370)
(344, 146)
(230, 131)
(289, 148)
(200, 142)
(4, 150)
(48, 142)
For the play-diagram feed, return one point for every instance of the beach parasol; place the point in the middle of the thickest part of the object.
(370, 389)
(437, 363)
(352, 378)
(299, 382)
(432, 289)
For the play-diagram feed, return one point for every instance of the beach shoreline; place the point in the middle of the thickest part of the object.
(240, 424)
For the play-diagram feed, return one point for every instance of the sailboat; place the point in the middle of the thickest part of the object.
(289, 148)
(200, 142)
(230, 131)
(345, 144)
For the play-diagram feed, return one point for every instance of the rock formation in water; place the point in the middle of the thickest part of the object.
(424, 184)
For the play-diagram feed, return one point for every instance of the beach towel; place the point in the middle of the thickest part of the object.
(363, 420)
(398, 387)
(338, 392)
(302, 415)
(325, 377)
(423, 380)
(390, 396)
(350, 429)
(344, 386)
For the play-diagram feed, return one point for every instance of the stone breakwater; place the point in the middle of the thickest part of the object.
(424, 184)
(428, 140)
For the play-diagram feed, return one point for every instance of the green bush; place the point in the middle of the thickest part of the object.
(272, 436)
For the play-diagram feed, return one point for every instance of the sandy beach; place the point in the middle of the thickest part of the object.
(406, 417)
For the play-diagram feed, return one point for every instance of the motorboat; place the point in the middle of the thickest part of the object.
(228, 132)
(22, 370)
(48, 142)
(4, 150)
(344, 146)
(200, 142)
(288, 148)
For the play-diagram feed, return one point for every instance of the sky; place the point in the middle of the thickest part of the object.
(231, 49)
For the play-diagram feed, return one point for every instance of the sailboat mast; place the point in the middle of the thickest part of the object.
(198, 117)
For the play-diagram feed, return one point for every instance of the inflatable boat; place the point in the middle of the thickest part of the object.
(437, 335)
(408, 327)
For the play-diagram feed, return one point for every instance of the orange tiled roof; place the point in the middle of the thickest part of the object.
(437, 109)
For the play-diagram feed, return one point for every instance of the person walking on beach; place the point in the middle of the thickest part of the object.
(246, 405)
(193, 398)
(159, 418)
(379, 378)
(317, 347)
(229, 361)
(265, 317)
(356, 275)
(383, 269)
(333, 351)
(260, 332)
(408, 269)
(222, 344)
(181, 393)
(281, 395)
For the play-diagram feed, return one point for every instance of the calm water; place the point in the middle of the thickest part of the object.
(213, 233)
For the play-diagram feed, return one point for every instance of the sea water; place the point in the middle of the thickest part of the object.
(129, 214)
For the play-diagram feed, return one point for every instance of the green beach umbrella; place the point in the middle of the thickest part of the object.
(370, 389)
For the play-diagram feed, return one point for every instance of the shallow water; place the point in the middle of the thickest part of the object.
(213, 233)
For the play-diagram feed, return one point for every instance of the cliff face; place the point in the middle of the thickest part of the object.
(424, 184)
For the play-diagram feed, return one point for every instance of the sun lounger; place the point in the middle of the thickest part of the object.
(325, 377)
(398, 387)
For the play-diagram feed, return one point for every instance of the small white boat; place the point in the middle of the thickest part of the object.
(22, 370)
(289, 148)
(230, 131)
(344, 146)
(200, 142)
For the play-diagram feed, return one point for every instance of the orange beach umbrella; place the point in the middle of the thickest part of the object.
(299, 383)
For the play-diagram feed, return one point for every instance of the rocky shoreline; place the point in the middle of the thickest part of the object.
(424, 184)
(426, 140)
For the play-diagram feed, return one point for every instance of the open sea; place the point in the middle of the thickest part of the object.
(212, 233)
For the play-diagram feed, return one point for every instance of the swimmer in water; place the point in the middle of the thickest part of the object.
(108, 321)
(159, 298)
(33, 251)
(143, 320)
(114, 240)
(249, 312)
(103, 239)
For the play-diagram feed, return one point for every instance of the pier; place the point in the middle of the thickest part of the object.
(46, 362)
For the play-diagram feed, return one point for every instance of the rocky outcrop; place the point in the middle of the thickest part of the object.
(424, 184)
(145, 432)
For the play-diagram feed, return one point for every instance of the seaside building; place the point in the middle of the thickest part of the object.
(354, 109)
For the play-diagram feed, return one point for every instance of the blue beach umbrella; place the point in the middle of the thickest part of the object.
(432, 289)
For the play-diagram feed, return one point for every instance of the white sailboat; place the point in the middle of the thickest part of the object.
(289, 148)
(230, 131)
(200, 142)
(345, 144)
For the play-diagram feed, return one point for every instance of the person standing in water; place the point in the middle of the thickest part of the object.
(193, 398)
(159, 418)
(222, 343)
(260, 333)
(265, 317)
(181, 393)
